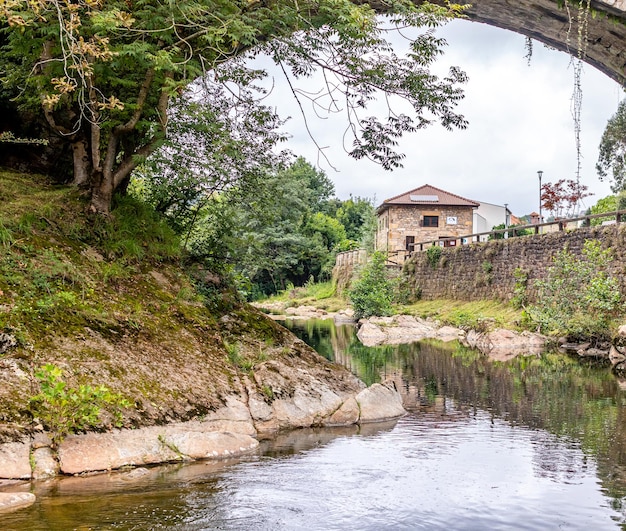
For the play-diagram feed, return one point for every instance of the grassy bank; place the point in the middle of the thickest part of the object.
(463, 314)
(110, 302)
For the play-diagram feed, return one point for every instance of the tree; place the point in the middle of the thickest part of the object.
(96, 77)
(372, 292)
(606, 204)
(511, 233)
(354, 213)
(216, 141)
(563, 197)
(612, 151)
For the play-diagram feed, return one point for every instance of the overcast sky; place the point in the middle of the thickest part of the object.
(519, 117)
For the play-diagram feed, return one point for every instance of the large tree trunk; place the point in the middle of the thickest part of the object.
(101, 193)
(82, 163)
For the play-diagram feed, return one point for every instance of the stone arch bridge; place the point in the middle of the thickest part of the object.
(556, 24)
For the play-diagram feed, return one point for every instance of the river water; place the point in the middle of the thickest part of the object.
(536, 443)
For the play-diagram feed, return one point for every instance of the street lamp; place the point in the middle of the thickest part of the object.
(540, 173)
(506, 220)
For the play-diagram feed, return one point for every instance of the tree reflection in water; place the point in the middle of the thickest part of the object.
(580, 403)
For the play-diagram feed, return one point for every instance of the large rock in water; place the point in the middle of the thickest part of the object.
(401, 329)
(503, 345)
(15, 460)
(379, 402)
(145, 446)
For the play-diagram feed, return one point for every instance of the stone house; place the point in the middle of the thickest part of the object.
(424, 214)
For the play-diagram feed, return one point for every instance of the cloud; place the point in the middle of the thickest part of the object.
(520, 122)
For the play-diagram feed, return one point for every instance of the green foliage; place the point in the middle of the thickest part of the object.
(520, 295)
(606, 204)
(511, 233)
(243, 362)
(487, 266)
(612, 150)
(356, 214)
(113, 91)
(64, 410)
(433, 255)
(372, 292)
(134, 231)
(6, 237)
(466, 320)
(578, 298)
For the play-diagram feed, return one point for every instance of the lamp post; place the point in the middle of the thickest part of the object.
(506, 219)
(540, 173)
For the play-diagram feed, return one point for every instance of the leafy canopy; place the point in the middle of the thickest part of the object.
(101, 72)
(612, 155)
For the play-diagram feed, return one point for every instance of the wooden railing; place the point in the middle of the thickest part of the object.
(618, 216)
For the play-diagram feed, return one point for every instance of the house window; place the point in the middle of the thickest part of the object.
(410, 243)
(431, 221)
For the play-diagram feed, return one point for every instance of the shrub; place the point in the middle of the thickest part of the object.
(64, 410)
(520, 297)
(578, 298)
(433, 254)
(372, 293)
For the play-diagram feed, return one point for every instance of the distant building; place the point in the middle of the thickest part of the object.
(487, 216)
(423, 214)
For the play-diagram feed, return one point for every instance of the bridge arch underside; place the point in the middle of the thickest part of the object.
(548, 21)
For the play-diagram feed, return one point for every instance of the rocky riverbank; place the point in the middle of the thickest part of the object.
(290, 386)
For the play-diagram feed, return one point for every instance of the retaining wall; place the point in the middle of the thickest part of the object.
(487, 270)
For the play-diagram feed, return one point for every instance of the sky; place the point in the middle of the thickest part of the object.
(520, 121)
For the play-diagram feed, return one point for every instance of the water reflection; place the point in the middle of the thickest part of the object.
(583, 405)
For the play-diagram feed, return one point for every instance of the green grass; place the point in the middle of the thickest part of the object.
(476, 314)
(321, 295)
(463, 314)
(61, 271)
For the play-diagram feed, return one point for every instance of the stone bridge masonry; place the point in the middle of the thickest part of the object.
(548, 21)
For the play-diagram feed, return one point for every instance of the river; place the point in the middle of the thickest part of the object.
(536, 443)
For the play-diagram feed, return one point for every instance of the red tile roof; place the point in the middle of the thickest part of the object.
(428, 195)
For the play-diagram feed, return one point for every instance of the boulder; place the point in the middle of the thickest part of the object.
(449, 333)
(379, 402)
(11, 501)
(346, 415)
(45, 464)
(344, 316)
(503, 345)
(15, 460)
(7, 342)
(371, 334)
(306, 407)
(616, 356)
(144, 446)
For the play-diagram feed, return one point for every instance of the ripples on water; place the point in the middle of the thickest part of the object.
(479, 450)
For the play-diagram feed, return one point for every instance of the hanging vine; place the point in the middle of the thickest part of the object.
(582, 24)
(529, 49)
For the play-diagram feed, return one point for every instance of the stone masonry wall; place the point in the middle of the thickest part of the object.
(486, 270)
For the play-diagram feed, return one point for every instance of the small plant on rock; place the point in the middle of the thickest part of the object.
(433, 254)
(64, 410)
